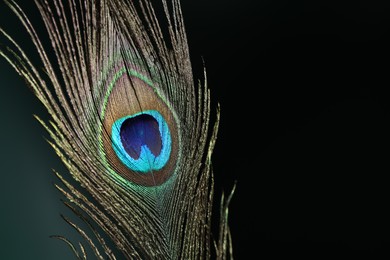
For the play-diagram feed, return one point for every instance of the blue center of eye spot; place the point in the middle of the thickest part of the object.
(142, 141)
(138, 131)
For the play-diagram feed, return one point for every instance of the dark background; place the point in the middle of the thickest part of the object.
(303, 88)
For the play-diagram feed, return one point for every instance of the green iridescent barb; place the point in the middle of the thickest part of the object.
(130, 125)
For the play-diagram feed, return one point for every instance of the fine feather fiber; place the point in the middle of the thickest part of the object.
(131, 125)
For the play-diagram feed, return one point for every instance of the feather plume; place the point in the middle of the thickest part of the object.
(130, 125)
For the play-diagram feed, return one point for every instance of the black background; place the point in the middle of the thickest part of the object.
(303, 89)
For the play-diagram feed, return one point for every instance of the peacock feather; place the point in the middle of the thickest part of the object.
(129, 123)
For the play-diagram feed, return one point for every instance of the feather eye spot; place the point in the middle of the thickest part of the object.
(142, 141)
(139, 133)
